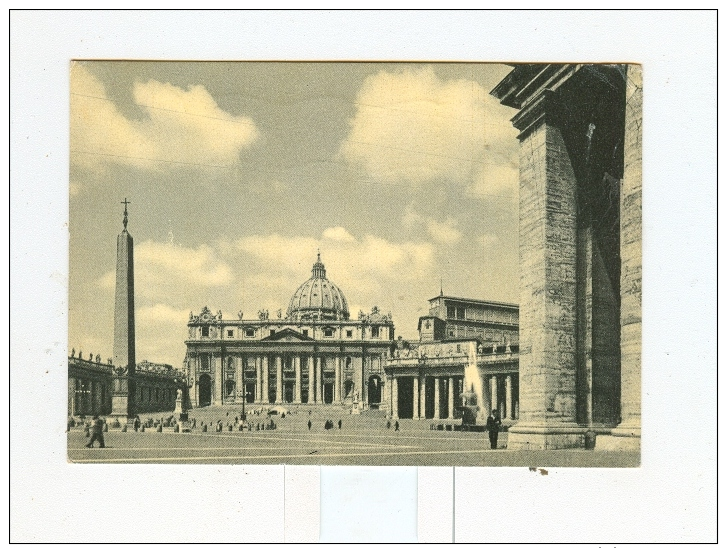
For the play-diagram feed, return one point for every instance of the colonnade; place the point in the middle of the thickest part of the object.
(274, 375)
(88, 396)
(500, 392)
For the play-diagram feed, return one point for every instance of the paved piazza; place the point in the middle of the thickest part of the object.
(363, 440)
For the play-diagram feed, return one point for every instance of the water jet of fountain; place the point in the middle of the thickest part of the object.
(473, 400)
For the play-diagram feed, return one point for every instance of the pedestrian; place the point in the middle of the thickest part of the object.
(137, 423)
(339, 423)
(97, 427)
(309, 424)
(388, 425)
(493, 427)
(396, 426)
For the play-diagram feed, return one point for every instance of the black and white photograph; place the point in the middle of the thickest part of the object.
(355, 263)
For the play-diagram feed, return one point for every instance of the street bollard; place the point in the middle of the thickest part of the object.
(590, 440)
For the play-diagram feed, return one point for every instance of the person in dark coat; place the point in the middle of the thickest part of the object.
(396, 426)
(309, 424)
(493, 427)
(97, 433)
(340, 423)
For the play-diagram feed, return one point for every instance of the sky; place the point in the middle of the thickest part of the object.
(401, 174)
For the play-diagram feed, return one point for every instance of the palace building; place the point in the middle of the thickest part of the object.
(426, 379)
(459, 318)
(315, 354)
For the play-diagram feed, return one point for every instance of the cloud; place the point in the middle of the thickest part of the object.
(164, 270)
(262, 272)
(495, 181)
(412, 127)
(362, 267)
(161, 314)
(338, 233)
(442, 232)
(488, 240)
(178, 127)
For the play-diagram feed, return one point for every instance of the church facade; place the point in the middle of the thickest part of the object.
(315, 354)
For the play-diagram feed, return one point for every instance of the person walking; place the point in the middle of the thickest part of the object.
(340, 423)
(309, 424)
(396, 426)
(137, 423)
(493, 427)
(97, 433)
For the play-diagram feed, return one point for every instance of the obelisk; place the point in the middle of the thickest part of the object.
(124, 362)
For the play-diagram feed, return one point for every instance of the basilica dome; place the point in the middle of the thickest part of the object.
(318, 298)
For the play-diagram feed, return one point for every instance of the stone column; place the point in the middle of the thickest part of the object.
(311, 380)
(337, 383)
(298, 379)
(71, 396)
(493, 394)
(240, 392)
(219, 366)
(394, 398)
(423, 397)
(508, 398)
(450, 397)
(258, 380)
(278, 380)
(547, 283)
(415, 398)
(436, 398)
(265, 379)
(319, 379)
(627, 435)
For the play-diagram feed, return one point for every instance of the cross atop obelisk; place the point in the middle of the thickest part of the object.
(124, 325)
(126, 212)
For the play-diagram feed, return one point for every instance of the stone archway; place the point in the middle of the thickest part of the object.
(205, 390)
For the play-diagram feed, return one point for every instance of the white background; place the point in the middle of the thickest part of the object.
(671, 498)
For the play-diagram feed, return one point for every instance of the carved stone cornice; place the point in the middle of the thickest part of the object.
(543, 93)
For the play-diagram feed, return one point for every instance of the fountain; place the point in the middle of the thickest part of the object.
(473, 398)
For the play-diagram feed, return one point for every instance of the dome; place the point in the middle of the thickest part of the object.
(318, 298)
